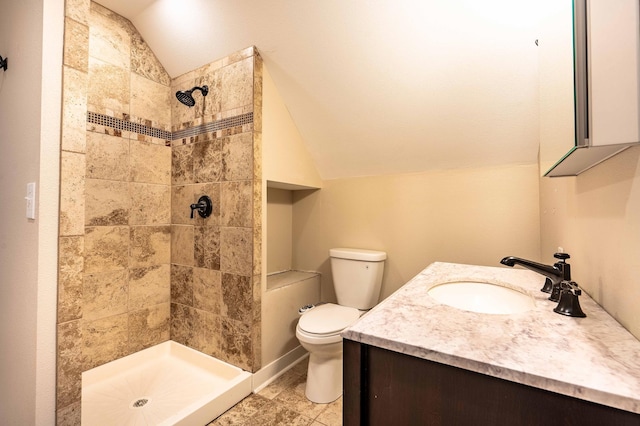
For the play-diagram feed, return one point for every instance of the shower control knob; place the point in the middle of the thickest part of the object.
(204, 207)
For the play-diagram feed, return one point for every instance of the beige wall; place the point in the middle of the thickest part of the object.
(595, 217)
(286, 160)
(30, 123)
(279, 230)
(472, 216)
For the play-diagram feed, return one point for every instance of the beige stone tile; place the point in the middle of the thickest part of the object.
(74, 109)
(257, 94)
(149, 100)
(108, 91)
(76, 45)
(182, 284)
(150, 204)
(182, 165)
(235, 343)
(106, 248)
(257, 298)
(236, 250)
(274, 414)
(210, 106)
(294, 397)
(257, 226)
(257, 342)
(332, 415)
(104, 340)
(242, 411)
(107, 203)
(78, 10)
(206, 247)
(72, 183)
(236, 203)
(148, 327)
(239, 55)
(70, 415)
(301, 367)
(150, 163)
(207, 292)
(273, 389)
(70, 363)
(236, 84)
(182, 196)
(237, 297)
(107, 157)
(182, 245)
(71, 265)
(237, 157)
(150, 246)
(184, 80)
(105, 294)
(149, 286)
(108, 40)
(182, 324)
(145, 63)
(207, 161)
(206, 333)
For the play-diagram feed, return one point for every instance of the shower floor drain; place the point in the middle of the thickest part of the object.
(139, 403)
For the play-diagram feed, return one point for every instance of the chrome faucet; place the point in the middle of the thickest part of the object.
(560, 271)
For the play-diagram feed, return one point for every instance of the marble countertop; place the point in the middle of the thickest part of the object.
(592, 358)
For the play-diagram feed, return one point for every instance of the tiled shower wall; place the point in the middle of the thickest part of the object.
(134, 269)
(215, 300)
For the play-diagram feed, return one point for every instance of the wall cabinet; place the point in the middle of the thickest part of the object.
(383, 387)
(600, 86)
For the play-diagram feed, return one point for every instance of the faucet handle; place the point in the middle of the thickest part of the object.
(569, 303)
(563, 266)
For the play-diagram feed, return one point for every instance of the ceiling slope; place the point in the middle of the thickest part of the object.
(374, 86)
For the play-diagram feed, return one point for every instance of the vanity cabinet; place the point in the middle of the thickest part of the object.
(383, 387)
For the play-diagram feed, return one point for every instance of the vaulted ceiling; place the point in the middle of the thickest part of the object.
(374, 86)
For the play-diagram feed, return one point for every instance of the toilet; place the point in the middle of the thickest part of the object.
(357, 278)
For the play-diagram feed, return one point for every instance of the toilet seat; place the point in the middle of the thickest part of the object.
(327, 320)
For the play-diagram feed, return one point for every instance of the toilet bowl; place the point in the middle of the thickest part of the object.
(357, 278)
(318, 331)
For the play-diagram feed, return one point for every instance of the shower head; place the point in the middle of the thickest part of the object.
(186, 97)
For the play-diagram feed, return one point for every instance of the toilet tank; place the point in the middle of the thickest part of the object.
(357, 276)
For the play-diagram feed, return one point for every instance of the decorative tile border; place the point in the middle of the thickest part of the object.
(225, 123)
(119, 124)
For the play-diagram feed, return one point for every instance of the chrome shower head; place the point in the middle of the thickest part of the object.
(186, 97)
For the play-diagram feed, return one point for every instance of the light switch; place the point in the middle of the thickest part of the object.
(31, 200)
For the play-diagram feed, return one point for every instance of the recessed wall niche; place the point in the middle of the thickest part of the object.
(287, 288)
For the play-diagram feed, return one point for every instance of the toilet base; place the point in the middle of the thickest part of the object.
(324, 378)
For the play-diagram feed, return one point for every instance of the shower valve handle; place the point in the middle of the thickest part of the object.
(204, 207)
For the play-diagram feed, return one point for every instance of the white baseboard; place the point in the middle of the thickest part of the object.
(277, 368)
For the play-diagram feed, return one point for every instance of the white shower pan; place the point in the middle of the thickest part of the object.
(167, 384)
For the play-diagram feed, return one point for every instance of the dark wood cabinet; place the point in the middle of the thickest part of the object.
(383, 387)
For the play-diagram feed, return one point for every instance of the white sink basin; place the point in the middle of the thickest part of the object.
(485, 298)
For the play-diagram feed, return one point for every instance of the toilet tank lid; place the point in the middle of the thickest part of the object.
(358, 254)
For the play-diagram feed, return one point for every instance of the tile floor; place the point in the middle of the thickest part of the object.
(282, 403)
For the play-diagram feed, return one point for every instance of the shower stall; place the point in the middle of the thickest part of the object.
(140, 279)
